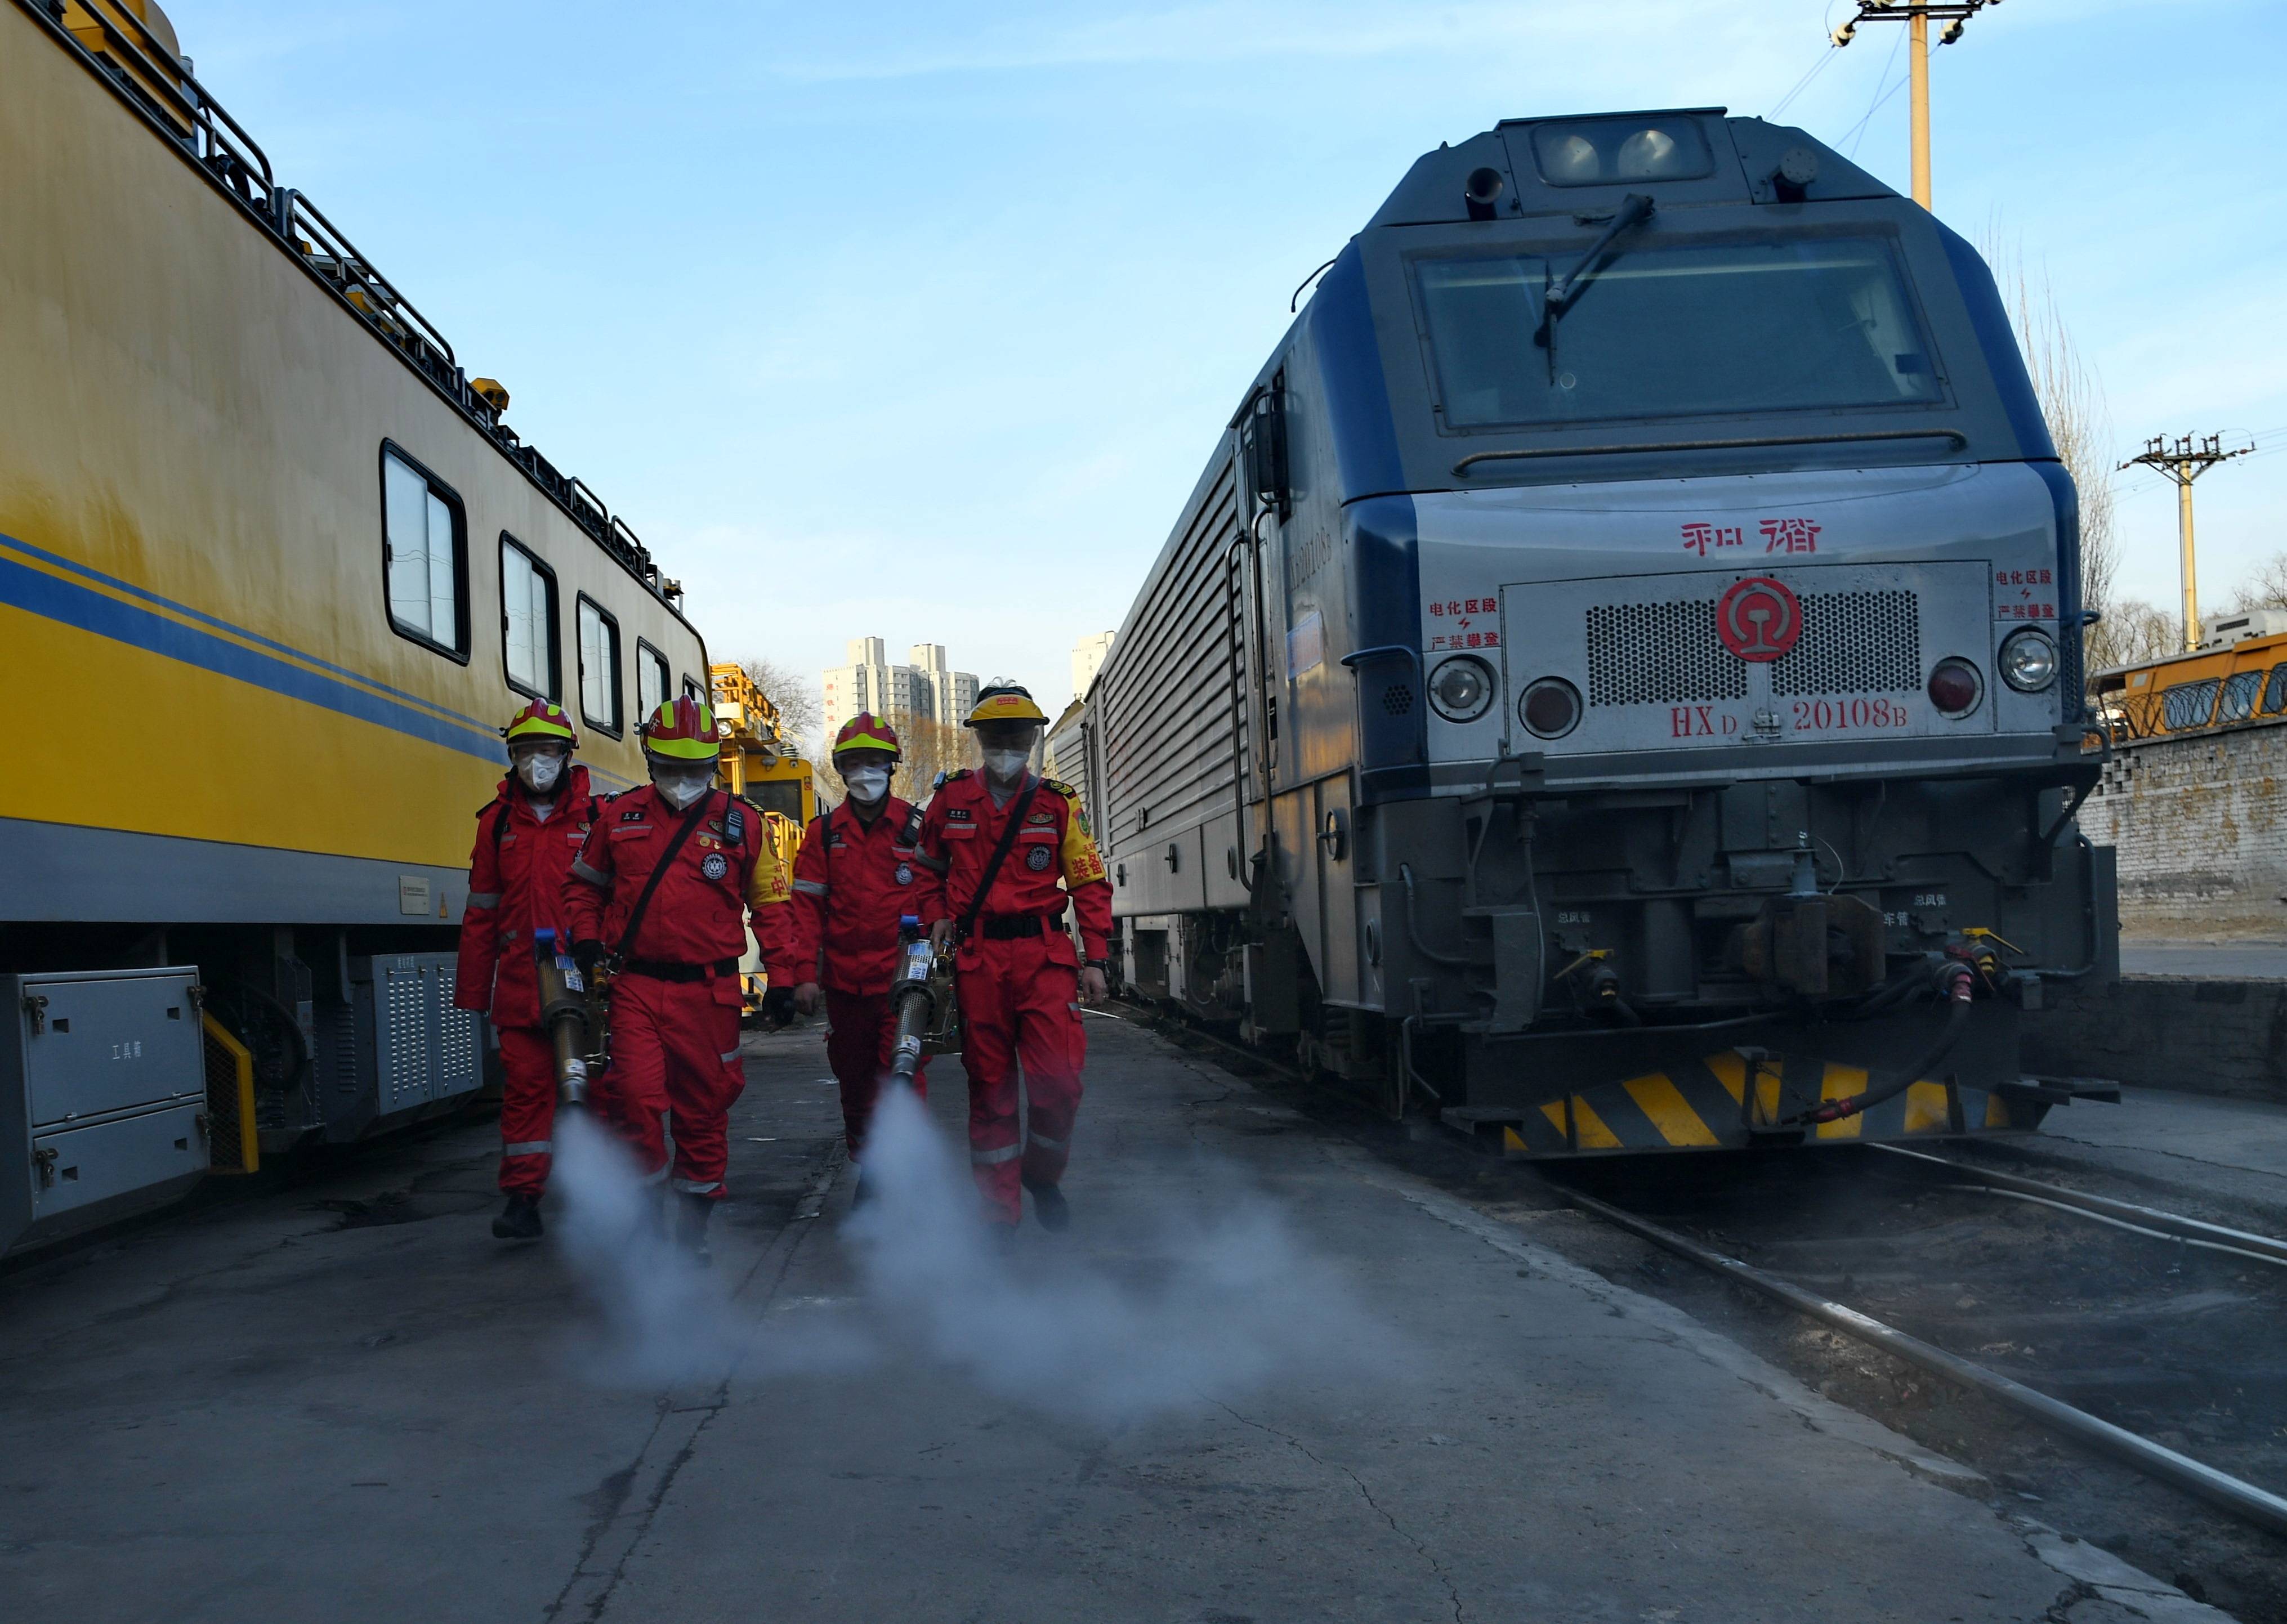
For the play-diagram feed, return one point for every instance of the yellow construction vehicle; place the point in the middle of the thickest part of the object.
(765, 768)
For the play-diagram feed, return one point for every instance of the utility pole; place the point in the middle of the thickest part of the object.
(2182, 463)
(1917, 15)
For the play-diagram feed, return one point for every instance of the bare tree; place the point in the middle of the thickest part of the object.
(802, 708)
(931, 747)
(2072, 401)
(2138, 632)
(2266, 588)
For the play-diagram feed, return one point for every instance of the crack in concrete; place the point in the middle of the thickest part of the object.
(784, 1246)
(2094, 1573)
(1365, 1493)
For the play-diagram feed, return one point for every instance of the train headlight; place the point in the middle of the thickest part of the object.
(1462, 690)
(1550, 708)
(1955, 688)
(2029, 661)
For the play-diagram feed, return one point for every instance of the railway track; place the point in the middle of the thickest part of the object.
(2074, 1347)
(2244, 1500)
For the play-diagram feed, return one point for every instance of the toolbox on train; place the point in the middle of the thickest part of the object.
(103, 1097)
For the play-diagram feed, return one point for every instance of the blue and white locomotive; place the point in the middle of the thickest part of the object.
(1618, 674)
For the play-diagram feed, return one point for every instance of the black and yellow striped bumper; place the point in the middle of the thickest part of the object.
(1721, 1101)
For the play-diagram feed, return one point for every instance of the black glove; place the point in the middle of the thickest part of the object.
(778, 1005)
(587, 955)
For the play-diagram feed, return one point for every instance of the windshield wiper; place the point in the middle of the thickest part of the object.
(1635, 209)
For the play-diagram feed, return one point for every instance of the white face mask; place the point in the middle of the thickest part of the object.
(866, 783)
(681, 789)
(540, 772)
(1006, 765)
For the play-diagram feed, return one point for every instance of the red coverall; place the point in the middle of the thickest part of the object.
(1017, 974)
(852, 881)
(675, 998)
(516, 887)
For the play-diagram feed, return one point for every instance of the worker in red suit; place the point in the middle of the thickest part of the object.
(526, 836)
(854, 879)
(1009, 851)
(660, 894)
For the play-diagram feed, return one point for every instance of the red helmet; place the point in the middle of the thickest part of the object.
(540, 719)
(682, 730)
(866, 731)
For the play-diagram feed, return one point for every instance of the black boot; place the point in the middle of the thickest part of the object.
(519, 1220)
(690, 1214)
(1049, 1207)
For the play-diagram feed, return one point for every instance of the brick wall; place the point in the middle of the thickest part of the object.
(2164, 1031)
(2201, 826)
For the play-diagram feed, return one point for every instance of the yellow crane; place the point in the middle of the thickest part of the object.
(766, 769)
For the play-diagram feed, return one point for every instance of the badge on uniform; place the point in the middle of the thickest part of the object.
(905, 873)
(1039, 858)
(716, 866)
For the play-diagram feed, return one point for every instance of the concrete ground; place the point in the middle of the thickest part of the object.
(347, 1402)
(2223, 960)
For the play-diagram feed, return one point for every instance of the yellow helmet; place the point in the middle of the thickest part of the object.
(1004, 702)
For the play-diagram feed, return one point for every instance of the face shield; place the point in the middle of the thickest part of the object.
(864, 774)
(538, 764)
(1007, 747)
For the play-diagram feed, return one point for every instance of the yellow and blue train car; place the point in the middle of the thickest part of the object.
(273, 571)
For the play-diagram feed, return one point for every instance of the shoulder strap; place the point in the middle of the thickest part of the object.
(691, 820)
(1023, 804)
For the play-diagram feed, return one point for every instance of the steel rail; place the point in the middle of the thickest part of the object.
(2128, 1215)
(2244, 1500)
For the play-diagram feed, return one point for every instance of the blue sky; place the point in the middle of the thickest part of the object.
(920, 320)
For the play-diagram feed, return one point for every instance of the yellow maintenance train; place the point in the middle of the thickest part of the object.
(273, 572)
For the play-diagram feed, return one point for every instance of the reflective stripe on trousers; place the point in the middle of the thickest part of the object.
(528, 1147)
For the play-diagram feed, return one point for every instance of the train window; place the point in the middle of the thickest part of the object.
(425, 555)
(2241, 690)
(651, 678)
(2275, 691)
(530, 645)
(599, 666)
(1790, 325)
(2188, 705)
(692, 690)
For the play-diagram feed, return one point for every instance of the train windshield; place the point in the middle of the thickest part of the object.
(1676, 331)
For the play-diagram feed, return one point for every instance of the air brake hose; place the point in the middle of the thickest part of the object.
(1958, 981)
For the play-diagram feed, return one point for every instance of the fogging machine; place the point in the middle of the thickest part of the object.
(922, 1000)
(575, 1015)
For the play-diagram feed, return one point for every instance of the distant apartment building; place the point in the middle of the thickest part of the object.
(953, 693)
(1087, 657)
(924, 688)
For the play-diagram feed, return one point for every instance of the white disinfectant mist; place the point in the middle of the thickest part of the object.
(664, 1321)
(1161, 1315)
(1167, 1316)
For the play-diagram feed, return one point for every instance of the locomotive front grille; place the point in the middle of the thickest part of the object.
(1659, 654)
(1669, 653)
(1854, 642)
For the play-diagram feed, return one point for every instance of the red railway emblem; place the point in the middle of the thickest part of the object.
(1759, 619)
